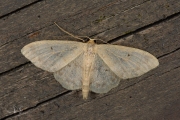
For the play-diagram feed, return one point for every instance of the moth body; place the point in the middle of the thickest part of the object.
(88, 63)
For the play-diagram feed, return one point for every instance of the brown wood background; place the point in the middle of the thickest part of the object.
(29, 93)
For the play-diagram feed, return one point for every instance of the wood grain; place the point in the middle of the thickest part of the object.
(27, 92)
(9, 6)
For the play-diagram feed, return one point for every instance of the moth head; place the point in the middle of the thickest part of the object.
(92, 41)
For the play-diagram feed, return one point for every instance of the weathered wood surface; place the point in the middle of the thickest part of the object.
(27, 92)
(10, 7)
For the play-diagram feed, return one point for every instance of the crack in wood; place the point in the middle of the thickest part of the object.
(19, 9)
(169, 70)
(38, 104)
(143, 28)
(15, 68)
(168, 53)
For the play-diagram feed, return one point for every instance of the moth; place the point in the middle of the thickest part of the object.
(89, 66)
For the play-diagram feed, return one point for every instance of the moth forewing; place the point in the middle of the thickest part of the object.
(52, 55)
(127, 62)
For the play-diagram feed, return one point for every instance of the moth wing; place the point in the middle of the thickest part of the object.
(70, 76)
(52, 55)
(103, 79)
(126, 62)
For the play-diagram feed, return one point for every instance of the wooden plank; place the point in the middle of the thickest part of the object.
(123, 20)
(157, 88)
(9, 6)
(27, 90)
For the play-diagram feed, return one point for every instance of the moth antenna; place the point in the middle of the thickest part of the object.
(68, 32)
